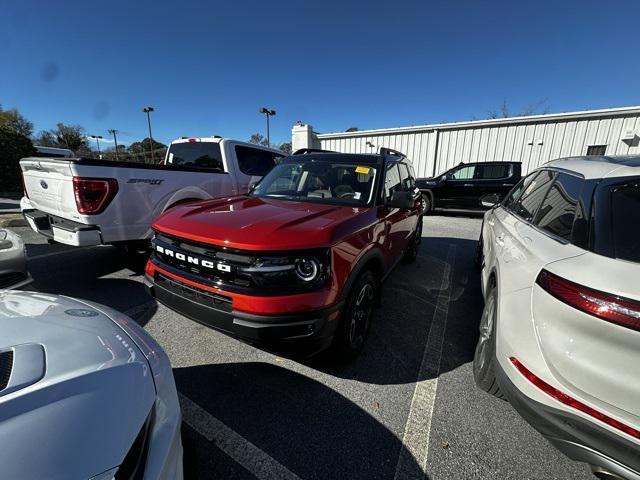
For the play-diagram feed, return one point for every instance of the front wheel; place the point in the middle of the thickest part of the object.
(484, 360)
(356, 319)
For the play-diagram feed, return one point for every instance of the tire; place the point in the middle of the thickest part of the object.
(356, 318)
(484, 359)
(426, 200)
(479, 260)
(411, 253)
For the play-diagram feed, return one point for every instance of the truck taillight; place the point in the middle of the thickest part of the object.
(613, 308)
(24, 186)
(93, 195)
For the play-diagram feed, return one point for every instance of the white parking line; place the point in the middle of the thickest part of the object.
(413, 457)
(245, 453)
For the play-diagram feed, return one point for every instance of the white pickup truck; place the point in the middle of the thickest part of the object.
(91, 202)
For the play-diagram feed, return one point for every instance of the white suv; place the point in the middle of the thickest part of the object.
(560, 331)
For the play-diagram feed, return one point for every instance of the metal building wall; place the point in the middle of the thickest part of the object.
(530, 140)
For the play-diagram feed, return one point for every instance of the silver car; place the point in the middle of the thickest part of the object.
(13, 261)
(85, 393)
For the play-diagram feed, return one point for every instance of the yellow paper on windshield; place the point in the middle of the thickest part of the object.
(361, 169)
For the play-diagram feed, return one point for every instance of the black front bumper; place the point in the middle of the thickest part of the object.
(579, 439)
(305, 333)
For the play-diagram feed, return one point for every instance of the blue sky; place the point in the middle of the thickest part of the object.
(208, 67)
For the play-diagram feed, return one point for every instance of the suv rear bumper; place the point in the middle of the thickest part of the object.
(305, 332)
(62, 230)
(579, 439)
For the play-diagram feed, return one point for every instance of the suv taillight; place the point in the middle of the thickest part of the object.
(613, 308)
(93, 195)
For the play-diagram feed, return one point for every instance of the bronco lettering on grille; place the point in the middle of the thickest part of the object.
(193, 260)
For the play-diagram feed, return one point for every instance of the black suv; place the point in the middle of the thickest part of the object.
(470, 186)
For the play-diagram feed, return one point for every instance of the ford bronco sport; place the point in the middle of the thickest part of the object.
(297, 264)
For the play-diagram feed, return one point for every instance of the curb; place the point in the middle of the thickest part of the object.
(12, 220)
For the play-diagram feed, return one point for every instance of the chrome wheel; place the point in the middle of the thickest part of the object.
(483, 349)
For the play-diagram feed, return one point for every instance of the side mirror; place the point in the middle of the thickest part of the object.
(402, 200)
(490, 200)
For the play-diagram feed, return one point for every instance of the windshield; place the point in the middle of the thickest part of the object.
(195, 154)
(319, 181)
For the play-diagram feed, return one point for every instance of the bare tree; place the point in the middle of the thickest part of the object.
(539, 107)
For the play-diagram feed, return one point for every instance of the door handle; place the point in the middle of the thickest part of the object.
(507, 184)
(500, 239)
(467, 184)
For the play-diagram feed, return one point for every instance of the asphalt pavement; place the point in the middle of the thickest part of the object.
(407, 408)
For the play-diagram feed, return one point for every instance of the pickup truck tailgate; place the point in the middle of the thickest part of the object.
(49, 185)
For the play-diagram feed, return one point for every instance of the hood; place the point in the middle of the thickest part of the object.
(254, 223)
(79, 388)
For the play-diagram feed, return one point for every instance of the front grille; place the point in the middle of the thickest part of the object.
(204, 297)
(12, 278)
(227, 276)
(6, 366)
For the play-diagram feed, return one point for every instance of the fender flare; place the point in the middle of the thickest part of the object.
(429, 194)
(184, 194)
(373, 255)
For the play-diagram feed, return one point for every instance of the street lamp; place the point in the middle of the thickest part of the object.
(97, 138)
(148, 111)
(268, 113)
(113, 132)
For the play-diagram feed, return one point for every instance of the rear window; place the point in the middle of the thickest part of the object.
(625, 218)
(256, 162)
(491, 172)
(196, 154)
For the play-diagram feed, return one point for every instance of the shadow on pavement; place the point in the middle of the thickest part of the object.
(309, 428)
(83, 273)
(400, 330)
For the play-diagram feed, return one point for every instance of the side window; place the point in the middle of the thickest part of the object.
(533, 195)
(405, 178)
(560, 207)
(492, 172)
(256, 162)
(513, 196)
(391, 180)
(466, 172)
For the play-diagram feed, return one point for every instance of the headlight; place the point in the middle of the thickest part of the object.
(307, 269)
(5, 243)
(300, 270)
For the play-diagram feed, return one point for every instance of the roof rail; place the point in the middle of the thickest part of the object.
(303, 151)
(388, 151)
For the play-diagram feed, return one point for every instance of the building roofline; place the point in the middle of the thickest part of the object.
(605, 112)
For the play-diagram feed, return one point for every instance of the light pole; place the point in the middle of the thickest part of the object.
(113, 132)
(97, 138)
(268, 113)
(148, 111)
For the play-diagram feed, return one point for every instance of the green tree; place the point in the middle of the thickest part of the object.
(285, 147)
(140, 151)
(13, 120)
(45, 139)
(13, 147)
(258, 139)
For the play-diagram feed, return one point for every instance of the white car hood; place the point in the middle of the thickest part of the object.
(79, 391)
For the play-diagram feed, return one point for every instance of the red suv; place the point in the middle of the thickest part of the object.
(298, 262)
